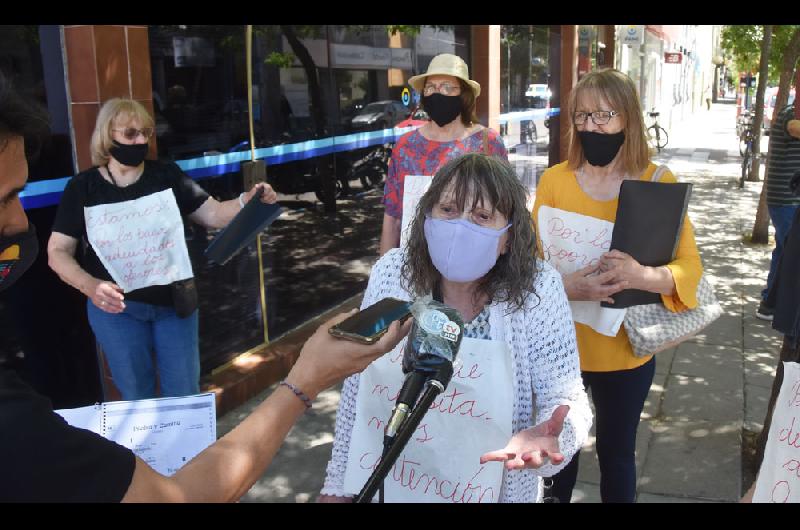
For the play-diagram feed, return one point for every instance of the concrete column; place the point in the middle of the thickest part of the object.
(104, 62)
(569, 78)
(485, 69)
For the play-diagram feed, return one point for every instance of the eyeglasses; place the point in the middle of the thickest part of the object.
(131, 133)
(599, 117)
(445, 89)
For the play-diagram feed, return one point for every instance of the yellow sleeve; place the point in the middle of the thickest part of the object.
(686, 268)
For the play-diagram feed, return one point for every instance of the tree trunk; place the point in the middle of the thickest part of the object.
(790, 57)
(314, 92)
(763, 73)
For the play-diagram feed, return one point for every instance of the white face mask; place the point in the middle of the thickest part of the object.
(461, 250)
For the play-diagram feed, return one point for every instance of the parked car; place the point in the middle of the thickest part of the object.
(770, 98)
(416, 118)
(539, 95)
(379, 115)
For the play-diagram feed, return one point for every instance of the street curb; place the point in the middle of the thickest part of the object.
(251, 373)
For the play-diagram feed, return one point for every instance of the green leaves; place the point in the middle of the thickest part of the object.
(743, 43)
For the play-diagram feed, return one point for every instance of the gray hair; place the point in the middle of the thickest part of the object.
(487, 179)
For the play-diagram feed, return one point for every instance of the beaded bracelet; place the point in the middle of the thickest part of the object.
(297, 392)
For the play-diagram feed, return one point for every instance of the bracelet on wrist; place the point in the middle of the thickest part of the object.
(241, 201)
(297, 392)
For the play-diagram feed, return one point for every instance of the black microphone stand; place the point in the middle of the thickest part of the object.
(433, 387)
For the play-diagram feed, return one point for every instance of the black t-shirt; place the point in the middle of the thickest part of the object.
(89, 188)
(43, 459)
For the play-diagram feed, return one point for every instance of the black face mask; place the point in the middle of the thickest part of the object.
(442, 109)
(600, 149)
(17, 254)
(128, 155)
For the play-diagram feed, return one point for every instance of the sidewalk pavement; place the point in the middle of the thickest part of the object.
(706, 392)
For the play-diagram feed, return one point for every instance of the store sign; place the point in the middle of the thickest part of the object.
(401, 58)
(673, 57)
(632, 34)
(356, 56)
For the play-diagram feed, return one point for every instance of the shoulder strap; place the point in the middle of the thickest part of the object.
(658, 173)
(485, 141)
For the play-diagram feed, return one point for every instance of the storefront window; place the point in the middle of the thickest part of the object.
(50, 343)
(30, 56)
(326, 101)
(526, 94)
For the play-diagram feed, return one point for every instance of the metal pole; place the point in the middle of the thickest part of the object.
(261, 283)
(249, 46)
(642, 62)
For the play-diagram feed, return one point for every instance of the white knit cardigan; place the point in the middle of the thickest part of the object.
(541, 339)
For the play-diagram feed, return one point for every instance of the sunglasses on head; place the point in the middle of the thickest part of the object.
(131, 133)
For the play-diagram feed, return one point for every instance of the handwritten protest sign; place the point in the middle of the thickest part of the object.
(572, 241)
(414, 187)
(779, 477)
(140, 242)
(441, 462)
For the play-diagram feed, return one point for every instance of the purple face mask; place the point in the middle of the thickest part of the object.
(462, 251)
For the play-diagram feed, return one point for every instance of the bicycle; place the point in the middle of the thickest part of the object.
(743, 127)
(657, 134)
(746, 139)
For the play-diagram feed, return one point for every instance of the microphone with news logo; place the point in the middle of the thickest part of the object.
(431, 348)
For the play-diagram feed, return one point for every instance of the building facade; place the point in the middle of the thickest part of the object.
(326, 101)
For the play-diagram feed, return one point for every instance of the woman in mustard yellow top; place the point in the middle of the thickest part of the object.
(575, 208)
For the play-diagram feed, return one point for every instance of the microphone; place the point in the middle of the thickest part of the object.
(431, 348)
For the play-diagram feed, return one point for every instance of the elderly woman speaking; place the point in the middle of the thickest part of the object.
(516, 396)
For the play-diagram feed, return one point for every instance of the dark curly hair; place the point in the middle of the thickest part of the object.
(20, 117)
(489, 180)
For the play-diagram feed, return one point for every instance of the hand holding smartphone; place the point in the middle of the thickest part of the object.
(369, 325)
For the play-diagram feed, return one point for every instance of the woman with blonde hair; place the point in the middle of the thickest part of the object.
(136, 274)
(575, 208)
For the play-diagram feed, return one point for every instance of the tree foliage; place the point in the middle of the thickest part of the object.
(743, 44)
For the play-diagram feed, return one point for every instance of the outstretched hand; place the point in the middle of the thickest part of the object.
(532, 447)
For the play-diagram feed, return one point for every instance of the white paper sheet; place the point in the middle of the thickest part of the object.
(164, 432)
(779, 476)
(140, 242)
(414, 187)
(572, 241)
(441, 462)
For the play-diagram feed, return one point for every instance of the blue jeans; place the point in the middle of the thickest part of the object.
(618, 402)
(129, 339)
(781, 217)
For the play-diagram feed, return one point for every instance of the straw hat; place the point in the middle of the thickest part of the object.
(446, 64)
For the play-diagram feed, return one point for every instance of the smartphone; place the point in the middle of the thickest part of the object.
(368, 325)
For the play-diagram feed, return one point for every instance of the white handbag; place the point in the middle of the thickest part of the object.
(652, 328)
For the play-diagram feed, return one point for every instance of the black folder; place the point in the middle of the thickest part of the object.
(648, 226)
(248, 223)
